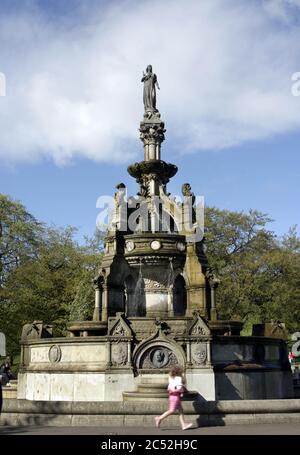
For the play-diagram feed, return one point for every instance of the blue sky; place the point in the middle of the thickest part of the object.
(233, 127)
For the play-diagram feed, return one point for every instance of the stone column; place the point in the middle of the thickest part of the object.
(128, 354)
(146, 151)
(196, 300)
(152, 135)
(205, 309)
(108, 353)
(152, 151)
(170, 301)
(153, 221)
(213, 311)
(208, 349)
(196, 280)
(98, 305)
(157, 152)
(152, 186)
(104, 303)
(214, 282)
(188, 352)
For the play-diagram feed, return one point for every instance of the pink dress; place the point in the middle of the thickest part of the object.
(175, 389)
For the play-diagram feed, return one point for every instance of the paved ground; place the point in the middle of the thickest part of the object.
(253, 429)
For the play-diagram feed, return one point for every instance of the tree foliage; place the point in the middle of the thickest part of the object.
(19, 236)
(46, 275)
(260, 273)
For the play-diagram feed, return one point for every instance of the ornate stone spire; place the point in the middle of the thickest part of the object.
(152, 173)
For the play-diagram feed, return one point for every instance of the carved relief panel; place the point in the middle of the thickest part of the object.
(158, 357)
(119, 354)
(199, 353)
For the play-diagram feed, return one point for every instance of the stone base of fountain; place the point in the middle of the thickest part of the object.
(133, 359)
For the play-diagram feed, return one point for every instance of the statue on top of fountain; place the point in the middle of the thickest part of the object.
(149, 95)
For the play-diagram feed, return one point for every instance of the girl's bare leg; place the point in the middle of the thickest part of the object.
(183, 423)
(181, 417)
(162, 417)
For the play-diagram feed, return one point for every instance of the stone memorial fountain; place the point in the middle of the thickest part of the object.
(155, 306)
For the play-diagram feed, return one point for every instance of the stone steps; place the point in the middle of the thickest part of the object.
(147, 391)
(10, 391)
(154, 392)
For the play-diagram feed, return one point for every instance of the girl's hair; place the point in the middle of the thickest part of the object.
(176, 371)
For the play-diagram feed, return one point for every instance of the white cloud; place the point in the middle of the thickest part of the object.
(224, 69)
(282, 9)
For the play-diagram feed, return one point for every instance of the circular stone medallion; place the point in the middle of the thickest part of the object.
(155, 245)
(159, 358)
(54, 354)
(130, 245)
(180, 246)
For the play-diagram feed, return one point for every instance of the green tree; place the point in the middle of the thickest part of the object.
(54, 287)
(259, 272)
(83, 303)
(45, 274)
(19, 236)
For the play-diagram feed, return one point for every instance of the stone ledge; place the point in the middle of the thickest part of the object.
(15, 406)
(108, 420)
(106, 414)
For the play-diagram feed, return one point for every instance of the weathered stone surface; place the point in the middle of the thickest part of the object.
(253, 385)
(40, 386)
(36, 330)
(160, 169)
(116, 382)
(73, 351)
(88, 387)
(23, 412)
(275, 329)
(202, 381)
